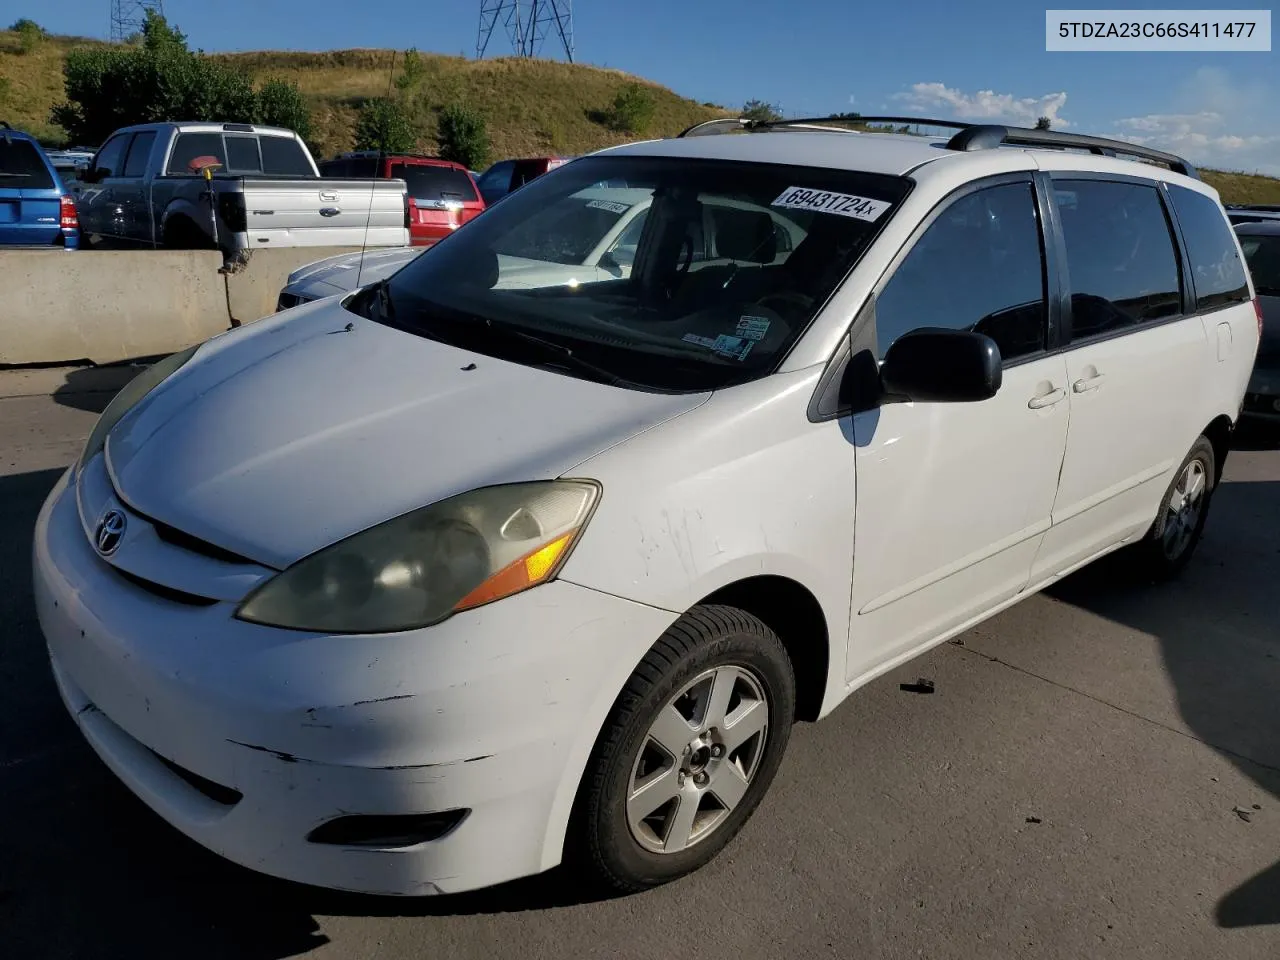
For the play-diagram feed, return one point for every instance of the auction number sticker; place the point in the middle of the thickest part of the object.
(824, 201)
(613, 206)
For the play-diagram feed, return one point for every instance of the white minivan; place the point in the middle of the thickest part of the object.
(444, 581)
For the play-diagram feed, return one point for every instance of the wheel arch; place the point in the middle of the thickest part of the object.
(790, 610)
(1218, 433)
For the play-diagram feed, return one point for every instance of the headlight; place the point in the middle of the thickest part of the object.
(128, 398)
(420, 568)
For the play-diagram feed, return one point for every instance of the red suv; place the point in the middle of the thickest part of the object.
(442, 195)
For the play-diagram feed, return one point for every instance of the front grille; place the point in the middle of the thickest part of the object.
(165, 593)
(177, 538)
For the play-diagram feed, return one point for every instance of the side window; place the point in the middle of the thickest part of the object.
(1216, 269)
(110, 159)
(624, 247)
(979, 267)
(1121, 259)
(135, 165)
(189, 146)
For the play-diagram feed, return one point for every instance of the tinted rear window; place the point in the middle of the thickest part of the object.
(434, 183)
(22, 167)
(242, 155)
(189, 146)
(1262, 253)
(284, 157)
(1216, 269)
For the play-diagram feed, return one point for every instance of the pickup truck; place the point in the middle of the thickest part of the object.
(232, 186)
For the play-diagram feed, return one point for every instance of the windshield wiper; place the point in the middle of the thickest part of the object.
(560, 351)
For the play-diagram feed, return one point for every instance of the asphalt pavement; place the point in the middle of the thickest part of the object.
(1096, 775)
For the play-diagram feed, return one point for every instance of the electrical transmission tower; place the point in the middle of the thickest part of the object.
(527, 24)
(128, 16)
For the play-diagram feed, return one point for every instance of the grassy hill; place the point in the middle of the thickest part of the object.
(533, 107)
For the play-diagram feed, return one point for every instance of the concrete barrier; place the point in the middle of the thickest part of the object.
(109, 306)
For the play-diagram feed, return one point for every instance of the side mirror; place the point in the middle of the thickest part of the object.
(937, 365)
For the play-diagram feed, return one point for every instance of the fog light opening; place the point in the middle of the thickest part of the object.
(387, 831)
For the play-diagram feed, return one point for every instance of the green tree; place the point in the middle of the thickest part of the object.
(412, 71)
(383, 125)
(632, 110)
(30, 34)
(463, 136)
(161, 79)
(280, 104)
(761, 110)
(1043, 123)
(159, 35)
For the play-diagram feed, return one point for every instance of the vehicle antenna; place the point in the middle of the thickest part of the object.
(382, 151)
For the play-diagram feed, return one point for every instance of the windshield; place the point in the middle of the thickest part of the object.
(668, 274)
(1262, 253)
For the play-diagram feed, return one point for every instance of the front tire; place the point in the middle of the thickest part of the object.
(1174, 535)
(692, 744)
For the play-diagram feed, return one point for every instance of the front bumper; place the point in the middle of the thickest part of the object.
(494, 711)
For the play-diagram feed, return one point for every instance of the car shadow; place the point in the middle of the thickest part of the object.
(1217, 629)
(91, 388)
(88, 871)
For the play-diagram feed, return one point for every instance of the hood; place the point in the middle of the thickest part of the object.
(293, 433)
(340, 272)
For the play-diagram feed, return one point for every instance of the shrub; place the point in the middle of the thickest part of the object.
(280, 104)
(412, 71)
(383, 125)
(632, 110)
(463, 136)
(30, 34)
(761, 110)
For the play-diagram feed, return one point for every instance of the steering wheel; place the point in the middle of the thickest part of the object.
(786, 298)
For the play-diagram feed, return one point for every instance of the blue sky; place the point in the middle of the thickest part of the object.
(811, 57)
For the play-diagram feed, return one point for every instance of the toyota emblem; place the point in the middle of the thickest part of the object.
(110, 532)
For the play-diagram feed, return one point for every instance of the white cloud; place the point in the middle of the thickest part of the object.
(985, 104)
(1215, 123)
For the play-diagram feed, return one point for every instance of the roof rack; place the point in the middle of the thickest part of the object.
(971, 136)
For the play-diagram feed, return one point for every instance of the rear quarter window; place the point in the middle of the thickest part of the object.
(1216, 270)
(22, 167)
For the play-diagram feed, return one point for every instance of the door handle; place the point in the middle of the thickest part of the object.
(1085, 384)
(1047, 399)
(329, 211)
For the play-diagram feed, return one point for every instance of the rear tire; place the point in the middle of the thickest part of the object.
(1175, 534)
(697, 734)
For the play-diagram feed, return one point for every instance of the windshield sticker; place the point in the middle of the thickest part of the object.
(700, 341)
(752, 328)
(823, 201)
(613, 206)
(735, 347)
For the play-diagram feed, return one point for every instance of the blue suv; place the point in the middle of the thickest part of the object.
(35, 209)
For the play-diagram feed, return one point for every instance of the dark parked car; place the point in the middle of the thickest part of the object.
(1260, 241)
(35, 208)
(508, 175)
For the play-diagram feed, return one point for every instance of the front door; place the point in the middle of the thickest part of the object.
(953, 499)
